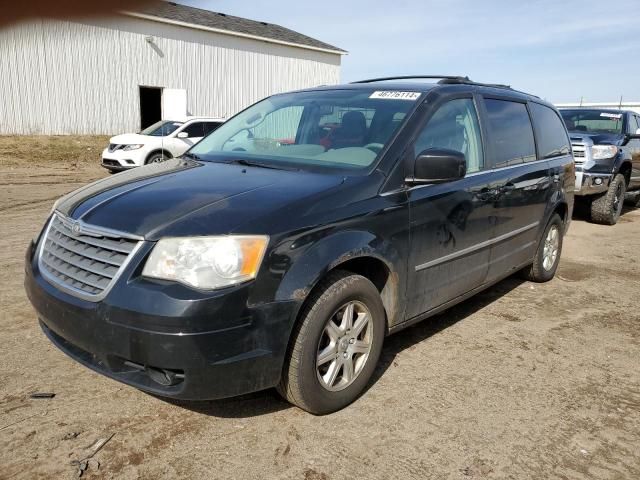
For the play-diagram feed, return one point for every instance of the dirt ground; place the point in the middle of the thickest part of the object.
(522, 381)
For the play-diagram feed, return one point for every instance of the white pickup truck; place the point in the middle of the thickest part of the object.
(162, 140)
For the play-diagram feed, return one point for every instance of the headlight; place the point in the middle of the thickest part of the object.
(604, 151)
(207, 262)
(126, 148)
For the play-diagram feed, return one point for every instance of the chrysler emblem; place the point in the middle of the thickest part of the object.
(75, 228)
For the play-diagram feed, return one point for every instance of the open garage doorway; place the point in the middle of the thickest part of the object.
(150, 106)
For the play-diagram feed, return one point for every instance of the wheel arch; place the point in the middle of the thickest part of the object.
(625, 169)
(157, 150)
(562, 209)
(361, 253)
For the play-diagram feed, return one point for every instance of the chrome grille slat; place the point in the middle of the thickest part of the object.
(83, 261)
(108, 244)
(67, 271)
(93, 252)
(579, 152)
(78, 263)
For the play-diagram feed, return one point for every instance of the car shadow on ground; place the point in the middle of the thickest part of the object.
(581, 208)
(268, 401)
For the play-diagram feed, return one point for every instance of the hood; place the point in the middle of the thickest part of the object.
(598, 138)
(129, 138)
(182, 197)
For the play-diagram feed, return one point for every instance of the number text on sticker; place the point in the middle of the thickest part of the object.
(395, 95)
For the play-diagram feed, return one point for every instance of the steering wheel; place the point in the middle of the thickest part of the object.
(374, 147)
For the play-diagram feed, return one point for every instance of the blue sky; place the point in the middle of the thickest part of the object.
(560, 50)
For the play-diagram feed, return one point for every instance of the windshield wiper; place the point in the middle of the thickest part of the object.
(192, 156)
(250, 163)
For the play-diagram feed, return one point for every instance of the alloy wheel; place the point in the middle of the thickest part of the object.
(551, 247)
(344, 346)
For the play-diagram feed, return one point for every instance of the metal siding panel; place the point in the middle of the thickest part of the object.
(61, 77)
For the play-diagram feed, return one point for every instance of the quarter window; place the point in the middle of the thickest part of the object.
(550, 132)
(511, 132)
(454, 126)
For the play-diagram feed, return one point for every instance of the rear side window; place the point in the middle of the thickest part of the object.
(511, 132)
(550, 131)
(195, 130)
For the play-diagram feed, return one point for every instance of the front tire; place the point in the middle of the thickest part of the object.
(157, 158)
(335, 346)
(547, 257)
(607, 208)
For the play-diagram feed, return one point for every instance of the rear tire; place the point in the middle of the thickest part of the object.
(335, 346)
(606, 209)
(547, 257)
(633, 199)
(156, 158)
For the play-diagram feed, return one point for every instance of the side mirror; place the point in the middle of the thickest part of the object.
(631, 136)
(438, 166)
(183, 135)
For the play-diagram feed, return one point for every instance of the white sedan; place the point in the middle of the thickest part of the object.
(162, 140)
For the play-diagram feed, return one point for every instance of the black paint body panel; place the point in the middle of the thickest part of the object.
(438, 242)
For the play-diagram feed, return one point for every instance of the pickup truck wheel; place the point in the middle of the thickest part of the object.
(547, 257)
(156, 158)
(335, 346)
(633, 199)
(606, 209)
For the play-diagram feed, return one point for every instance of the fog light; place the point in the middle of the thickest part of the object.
(597, 181)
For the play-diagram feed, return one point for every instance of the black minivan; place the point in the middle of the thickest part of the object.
(283, 248)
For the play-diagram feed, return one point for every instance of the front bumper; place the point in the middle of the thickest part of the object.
(119, 160)
(115, 165)
(167, 339)
(591, 183)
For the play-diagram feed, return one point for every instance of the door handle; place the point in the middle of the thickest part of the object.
(487, 194)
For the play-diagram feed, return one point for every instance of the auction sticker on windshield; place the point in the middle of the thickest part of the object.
(395, 95)
(611, 115)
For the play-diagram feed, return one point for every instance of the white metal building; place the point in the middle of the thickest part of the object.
(633, 106)
(119, 74)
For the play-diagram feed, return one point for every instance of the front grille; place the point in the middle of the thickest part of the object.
(83, 259)
(579, 152)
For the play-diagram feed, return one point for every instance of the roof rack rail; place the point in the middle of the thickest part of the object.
(445, 80)
(411, 77)
(466, 81)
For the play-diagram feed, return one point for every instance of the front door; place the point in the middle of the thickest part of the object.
(450, 223)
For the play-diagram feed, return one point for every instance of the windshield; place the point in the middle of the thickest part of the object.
(343, 129)
(592, 121)
(161, 128)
